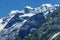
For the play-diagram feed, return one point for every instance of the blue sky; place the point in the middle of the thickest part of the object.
(7, 5)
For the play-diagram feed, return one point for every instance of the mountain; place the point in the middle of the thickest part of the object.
(19, 25)
(50, 30)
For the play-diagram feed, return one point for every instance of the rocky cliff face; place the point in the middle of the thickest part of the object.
(40, 23)
(50, 30)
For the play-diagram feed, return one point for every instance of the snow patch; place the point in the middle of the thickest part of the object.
(28, 7)
(14, 11)
(30, 14)
(1, 20)
(57, 5)
(55, 35)
(1, 27)
(48, 5)
(46, 13)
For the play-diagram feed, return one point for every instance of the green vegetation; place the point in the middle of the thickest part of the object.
(28, 38)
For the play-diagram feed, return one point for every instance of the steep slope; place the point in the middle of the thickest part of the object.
(20, 24)
(49, 30)
(31, 25)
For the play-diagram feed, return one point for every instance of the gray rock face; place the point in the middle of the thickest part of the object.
(49, 30)
(18, 25)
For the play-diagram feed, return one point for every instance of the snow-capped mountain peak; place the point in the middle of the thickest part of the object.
(48, 5)
(57, 5)
(25, 21)
(16, 11)
(28, 7)
(28, 11)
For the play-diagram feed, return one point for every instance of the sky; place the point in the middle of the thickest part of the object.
(8, 5)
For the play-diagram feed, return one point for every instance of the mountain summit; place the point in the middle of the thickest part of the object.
(18, 25)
